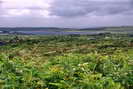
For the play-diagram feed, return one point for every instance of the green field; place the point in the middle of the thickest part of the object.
(66, 62)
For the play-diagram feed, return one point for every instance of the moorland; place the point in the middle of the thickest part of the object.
(74, 61)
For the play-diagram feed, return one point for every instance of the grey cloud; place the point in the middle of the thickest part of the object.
(74, 8)
(30, 8)
(1, 2)
(71, 8)
(1, 10)
(35, 8)
(88, 13)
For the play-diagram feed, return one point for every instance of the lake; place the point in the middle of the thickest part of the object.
(61, 32)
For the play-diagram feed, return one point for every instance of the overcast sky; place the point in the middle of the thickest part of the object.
(65, 13)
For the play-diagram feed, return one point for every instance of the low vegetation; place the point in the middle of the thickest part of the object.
(102, 61)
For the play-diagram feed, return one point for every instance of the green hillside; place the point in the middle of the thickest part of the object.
(66, 62)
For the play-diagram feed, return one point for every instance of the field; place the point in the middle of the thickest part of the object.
(103, 61)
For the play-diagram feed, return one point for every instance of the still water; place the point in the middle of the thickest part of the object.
(60, 32)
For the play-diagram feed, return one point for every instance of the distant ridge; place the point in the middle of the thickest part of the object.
(57, 28)
(30, 28)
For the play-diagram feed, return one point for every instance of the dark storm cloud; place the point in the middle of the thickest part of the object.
(131, 3)
(70, 8)
(74, 8)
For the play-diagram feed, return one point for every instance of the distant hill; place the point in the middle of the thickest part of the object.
(110, 28)
(31, 29)
(63, 29)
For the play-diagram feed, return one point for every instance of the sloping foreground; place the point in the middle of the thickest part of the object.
(66, 62)
(71, 71)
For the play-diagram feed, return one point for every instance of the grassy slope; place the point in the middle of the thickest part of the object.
(66, 62)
